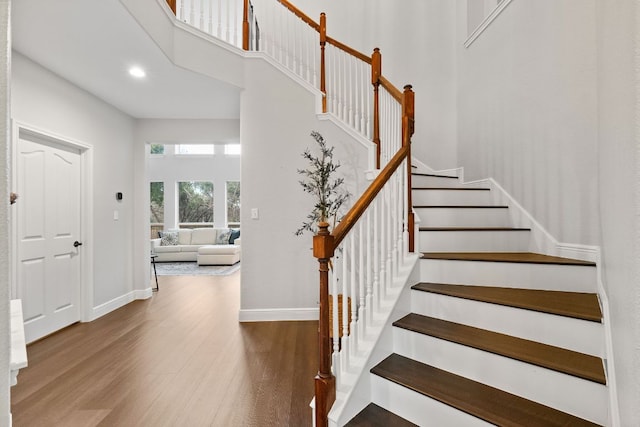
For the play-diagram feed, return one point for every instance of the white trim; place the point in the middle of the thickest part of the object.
(118, 302)
(486, 22)
(277, 314)
(542, 240)
(86, 214)
(609, 369)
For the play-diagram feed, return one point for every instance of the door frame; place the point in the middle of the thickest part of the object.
(86, 211)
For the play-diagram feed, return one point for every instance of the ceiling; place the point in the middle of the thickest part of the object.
(95, 54)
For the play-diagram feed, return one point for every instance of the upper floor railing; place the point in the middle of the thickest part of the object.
(373, 240)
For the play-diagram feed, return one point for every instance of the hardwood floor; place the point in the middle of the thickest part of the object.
(180, 358)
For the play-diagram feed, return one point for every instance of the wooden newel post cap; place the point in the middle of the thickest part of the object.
(323, 242)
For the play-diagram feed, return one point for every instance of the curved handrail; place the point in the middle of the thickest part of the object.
(300, 14)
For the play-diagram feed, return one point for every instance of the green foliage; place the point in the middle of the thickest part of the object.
(233, 201)
(195, 201)
(157, 202)
(157, 149)
(318, 180)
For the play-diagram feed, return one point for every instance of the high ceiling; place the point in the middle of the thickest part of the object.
(93, 43)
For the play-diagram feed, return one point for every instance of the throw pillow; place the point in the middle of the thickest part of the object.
(223, 237)
(169, 238)
(233, 236)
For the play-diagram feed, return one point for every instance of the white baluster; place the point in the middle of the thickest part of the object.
(361, 278)
(405, 214)
(334, 320)
(345, 305)
(376, 254)
(334, 79)
(370, 240)
(191, 12)
(389, 229)
(354, 294)
(219, 32)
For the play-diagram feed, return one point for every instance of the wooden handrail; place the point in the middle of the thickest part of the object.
(300, 14)
(351, 51)
(394, 91)
(172, 5)
(356, 211)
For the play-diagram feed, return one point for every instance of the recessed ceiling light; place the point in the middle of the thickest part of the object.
(137, 72)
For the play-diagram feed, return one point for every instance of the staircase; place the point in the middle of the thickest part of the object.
(496, 333)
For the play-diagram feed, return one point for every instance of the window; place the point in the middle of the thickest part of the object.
(156, 191)
(195, 149)
(157, 148)
(233, 204)
(232, 149)
(195, 204)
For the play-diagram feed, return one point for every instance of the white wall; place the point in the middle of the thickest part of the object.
(417, 40)
(5, 108)
(279, 273)
(619, 189)
(171, 169)
(43, 100)
(527, 111)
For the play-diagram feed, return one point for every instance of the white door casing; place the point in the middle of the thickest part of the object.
(48, 222)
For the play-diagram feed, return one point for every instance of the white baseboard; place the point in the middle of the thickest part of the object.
(118, 302)
(278, 314)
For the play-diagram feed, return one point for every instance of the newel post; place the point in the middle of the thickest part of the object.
(323, 42)
(172, 5)
(245, 25)
(408, 127)
(376, 72)
(325, 382)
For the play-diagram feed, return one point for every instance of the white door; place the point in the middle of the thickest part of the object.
(48, 225)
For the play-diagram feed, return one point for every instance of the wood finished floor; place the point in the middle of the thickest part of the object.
(180, 358)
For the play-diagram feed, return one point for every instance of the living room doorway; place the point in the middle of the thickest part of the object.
(194, 208)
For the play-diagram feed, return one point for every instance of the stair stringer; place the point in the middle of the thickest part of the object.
(352, 399)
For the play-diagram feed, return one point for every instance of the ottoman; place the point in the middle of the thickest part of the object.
(218, 254)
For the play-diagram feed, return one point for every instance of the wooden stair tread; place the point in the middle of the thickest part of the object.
(433, 175)
(517, 257)
(578, 305)
(452, 188)
(482, 401)
(474, 229)
(375, 416)
(460, 207)
(558, 359)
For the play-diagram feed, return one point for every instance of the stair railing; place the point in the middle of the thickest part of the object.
(360, 259)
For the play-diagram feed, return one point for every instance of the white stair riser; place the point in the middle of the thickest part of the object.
(437, 181)
(574, 334)
(510, 274)
(417, 408)
(452, 197)
(475, 241)
(463, 217)
(576, 396)
(433, 181)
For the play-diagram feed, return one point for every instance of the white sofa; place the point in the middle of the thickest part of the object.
(205, 245)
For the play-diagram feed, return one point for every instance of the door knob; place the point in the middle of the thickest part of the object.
(76, 244)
